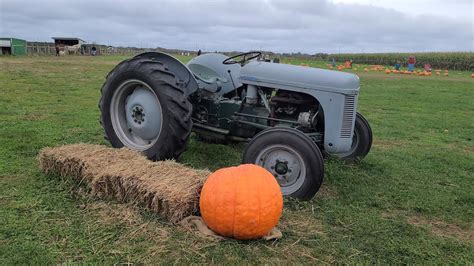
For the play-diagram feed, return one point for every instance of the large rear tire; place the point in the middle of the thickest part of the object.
(292, 157)
(144, 108)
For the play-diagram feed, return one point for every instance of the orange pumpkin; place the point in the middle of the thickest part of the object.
(388, 71)
(243, 202)
(472, 76)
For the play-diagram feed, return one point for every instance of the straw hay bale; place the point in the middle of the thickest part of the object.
(166, 187)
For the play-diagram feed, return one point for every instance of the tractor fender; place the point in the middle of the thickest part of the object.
(182, 73)
(210, 64)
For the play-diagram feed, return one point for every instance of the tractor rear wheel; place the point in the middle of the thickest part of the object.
(292, 157)
(144, 108)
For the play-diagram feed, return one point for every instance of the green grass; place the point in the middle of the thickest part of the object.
(409, 201)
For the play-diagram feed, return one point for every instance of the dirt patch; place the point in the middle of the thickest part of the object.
(4, 200)
(436, 227)
(388, 144)
(34, 117)
(129, 216)
(443, 229)
(112, 213)
(465, 149)
(469, 149)
(166, 187)
(326, 192)
(300, 225)
(462, 148)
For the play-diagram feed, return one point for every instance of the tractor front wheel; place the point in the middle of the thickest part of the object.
(144, 108)
(361, 141)
(292, 157)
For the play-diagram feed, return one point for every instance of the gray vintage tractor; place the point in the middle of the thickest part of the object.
(288, 115)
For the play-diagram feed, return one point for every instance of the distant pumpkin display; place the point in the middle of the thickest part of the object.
(243, 202)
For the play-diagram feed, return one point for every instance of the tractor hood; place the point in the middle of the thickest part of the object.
(289, 76)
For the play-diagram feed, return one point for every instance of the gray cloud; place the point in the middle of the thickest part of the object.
(281, 26)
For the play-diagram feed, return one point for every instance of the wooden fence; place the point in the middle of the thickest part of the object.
(38, 48)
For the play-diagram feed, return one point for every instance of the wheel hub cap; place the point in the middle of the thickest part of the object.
(142, 110)
(281, 168)
(138, 114)
(285, 164)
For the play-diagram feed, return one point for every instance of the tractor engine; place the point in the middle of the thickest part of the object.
(251, 109)
(284, 108)
(296, 106)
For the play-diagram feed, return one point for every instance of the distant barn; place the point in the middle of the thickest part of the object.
(12, 46)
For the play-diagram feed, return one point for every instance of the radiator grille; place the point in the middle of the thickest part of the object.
(348, 115)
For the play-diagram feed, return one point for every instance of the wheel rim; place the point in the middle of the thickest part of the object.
(286, 165)
(136, 115)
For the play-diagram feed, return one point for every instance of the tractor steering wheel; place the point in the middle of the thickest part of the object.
(245, 57)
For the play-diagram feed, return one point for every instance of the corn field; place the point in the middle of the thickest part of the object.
(437, 60)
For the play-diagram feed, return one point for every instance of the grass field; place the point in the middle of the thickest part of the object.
(410, 201)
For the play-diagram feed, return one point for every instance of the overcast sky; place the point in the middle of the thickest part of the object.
(330, 26)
